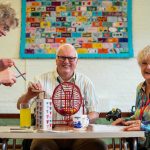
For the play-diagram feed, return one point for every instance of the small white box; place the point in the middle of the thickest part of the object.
(44, 114)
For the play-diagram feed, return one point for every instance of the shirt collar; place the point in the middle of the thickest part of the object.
(143, 86)
(57, 77)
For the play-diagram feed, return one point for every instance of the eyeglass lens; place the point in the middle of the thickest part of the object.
(63, 58)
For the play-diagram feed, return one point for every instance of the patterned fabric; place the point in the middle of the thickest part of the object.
(50, 80)
(141, 100)
(96, 28)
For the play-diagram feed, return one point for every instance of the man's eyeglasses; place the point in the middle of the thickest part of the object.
(5, 27)
(63, 58)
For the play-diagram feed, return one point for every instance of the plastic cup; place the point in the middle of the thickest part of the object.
(25, 115)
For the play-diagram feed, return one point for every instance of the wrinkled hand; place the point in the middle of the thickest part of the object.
(34, 89)
(7, 77)
(119, 121)
(70, 123)
(133, 125)
(5, 63)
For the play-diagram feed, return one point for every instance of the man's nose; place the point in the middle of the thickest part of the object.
(66, 60)
(148, 66)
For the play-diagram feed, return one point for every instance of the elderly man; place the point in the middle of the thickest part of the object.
(66, 61)
(7, 77)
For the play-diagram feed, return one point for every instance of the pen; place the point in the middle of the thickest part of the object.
(20, 73)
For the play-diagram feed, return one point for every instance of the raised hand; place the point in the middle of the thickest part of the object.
(34, 89)
(7, 77)
(5, 63)
(119, 121)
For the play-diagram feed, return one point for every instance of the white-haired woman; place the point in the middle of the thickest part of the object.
(141, 118)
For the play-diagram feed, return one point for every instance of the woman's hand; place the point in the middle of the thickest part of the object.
(119, 121)
(133, 125)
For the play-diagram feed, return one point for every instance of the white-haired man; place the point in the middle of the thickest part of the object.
(66, 61)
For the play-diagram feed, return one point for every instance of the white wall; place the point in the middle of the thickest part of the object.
(115, 79)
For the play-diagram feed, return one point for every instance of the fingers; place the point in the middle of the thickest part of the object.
(127, 123)
(118, 121)
(36, 87)
(5, 63)
(7, 77)
(9, 82)
(70, 123)
(8, 62)
(133, 125)
(12, 77)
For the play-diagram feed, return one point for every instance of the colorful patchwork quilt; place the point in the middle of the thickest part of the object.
(96, 28)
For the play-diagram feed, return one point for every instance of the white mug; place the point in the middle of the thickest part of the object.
(80, 121)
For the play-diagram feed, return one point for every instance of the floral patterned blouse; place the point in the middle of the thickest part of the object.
(142, 107)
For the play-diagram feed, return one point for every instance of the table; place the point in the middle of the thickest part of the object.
(64, 132)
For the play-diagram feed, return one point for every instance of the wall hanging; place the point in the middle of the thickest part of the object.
(97, 28)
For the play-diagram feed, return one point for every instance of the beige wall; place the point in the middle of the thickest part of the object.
(115, 79)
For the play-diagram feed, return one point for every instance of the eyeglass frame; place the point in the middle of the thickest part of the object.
(5, 27)
(63, 58)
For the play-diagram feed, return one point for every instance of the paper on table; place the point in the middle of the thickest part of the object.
(99, 127)
(22, 130)
(59, 131)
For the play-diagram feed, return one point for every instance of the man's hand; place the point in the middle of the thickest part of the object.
(34, 89)
(93, 116)
(119, 121)
(133, 125)
(7, 77)
(5, 63)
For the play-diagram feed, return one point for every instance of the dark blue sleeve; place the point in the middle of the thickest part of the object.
(145, 125)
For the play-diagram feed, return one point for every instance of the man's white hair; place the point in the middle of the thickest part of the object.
(66, 45)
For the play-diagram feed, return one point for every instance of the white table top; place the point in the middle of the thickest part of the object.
(93, 131)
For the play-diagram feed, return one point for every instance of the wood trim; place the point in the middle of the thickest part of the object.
(124, 114)
(5, 116)
(18, 146)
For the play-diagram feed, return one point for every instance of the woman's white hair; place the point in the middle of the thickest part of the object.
(67, 45)
(144, 54)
